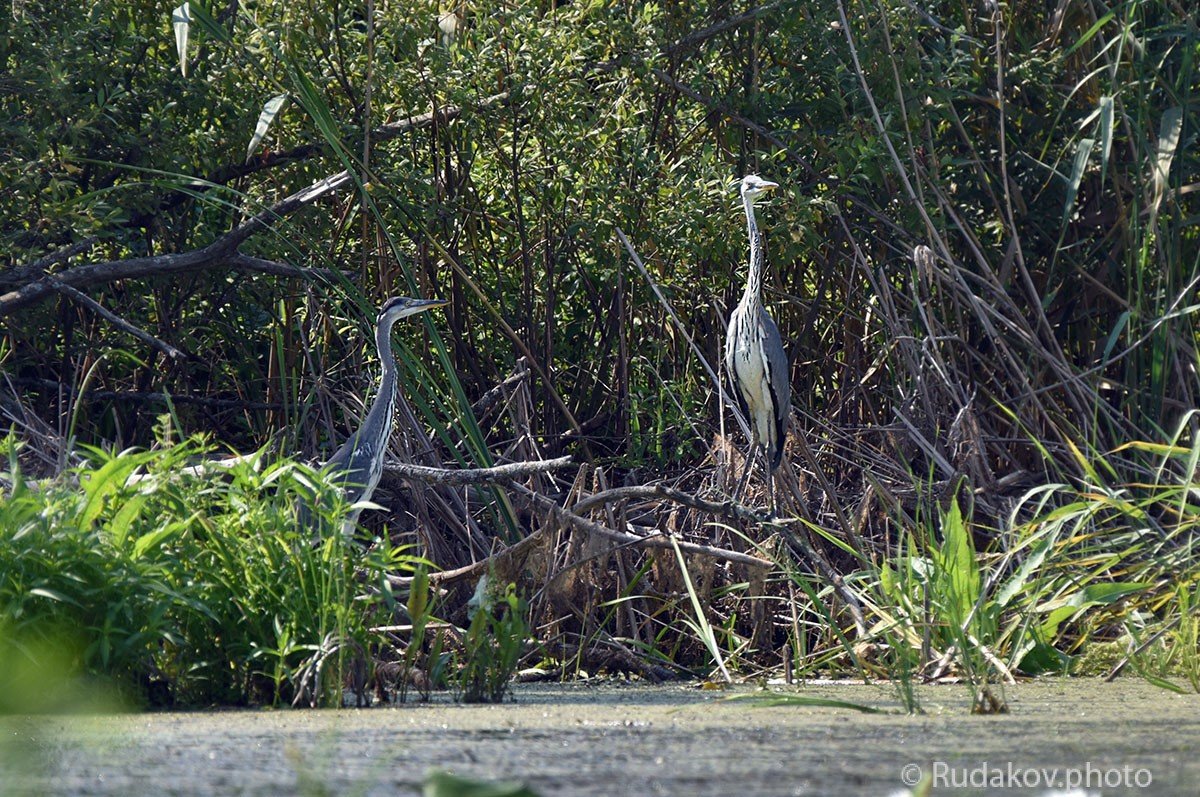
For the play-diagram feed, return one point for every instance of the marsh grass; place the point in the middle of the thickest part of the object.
(493, 645)
(185, 586)
(983, 259)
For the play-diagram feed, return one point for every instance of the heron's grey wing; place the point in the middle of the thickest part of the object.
(779, 379)
(351, 463)
(735, 384)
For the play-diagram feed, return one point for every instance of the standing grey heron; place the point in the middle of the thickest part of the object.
(358, 462)
(754, 355)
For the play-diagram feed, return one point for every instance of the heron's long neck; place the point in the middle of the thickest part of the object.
(757, 256)
(385, 399)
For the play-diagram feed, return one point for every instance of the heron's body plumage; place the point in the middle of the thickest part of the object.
(357, 465)
(754, 355)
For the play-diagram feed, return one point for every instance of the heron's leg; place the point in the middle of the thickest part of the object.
(770, 481)
(747, 466)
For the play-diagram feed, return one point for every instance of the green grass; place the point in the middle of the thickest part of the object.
(1045, 166)
(188, 588)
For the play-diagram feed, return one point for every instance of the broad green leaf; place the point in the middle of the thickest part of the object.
(181, 20)
(52, 594)
(1106, 134)
(123, 519)
(958, 570)
(1169, 130)
(156, 538)
(1069, 606)
(97, 486)
(1081, 157)
(265, 118)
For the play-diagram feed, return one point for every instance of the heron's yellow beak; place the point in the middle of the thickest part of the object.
(767, 185)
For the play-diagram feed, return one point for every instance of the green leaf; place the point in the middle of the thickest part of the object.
(181, 20)
(102, 483)
(155, 538)
(1089, 33)
(1031, 564)
(53, 595)
(1081, 157)
(1106, 134)
(123, 519)
(265, 118)
(957, 567)
(1043, 658)
(444, 784)
(1115, 335)
(1169, 130)
(1070, 606)
(418, 595)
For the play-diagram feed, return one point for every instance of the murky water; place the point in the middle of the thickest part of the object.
(578, 739)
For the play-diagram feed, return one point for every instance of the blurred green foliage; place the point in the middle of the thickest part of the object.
(188, 587)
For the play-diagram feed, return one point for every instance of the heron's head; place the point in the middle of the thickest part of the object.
(402, 306)
(754, 186)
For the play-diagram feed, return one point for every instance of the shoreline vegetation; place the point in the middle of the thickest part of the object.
(983, 260)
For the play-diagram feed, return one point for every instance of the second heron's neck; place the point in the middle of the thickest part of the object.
(757, 256)
(385, 399)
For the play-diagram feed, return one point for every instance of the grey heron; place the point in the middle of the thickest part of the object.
(358, 462)
(754, 356)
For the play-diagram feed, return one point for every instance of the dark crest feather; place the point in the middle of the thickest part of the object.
(394, 303)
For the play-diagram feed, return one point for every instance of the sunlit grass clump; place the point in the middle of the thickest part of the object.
(181, 585)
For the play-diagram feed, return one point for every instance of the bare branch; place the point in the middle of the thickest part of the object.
(19, 274)
(628, 538)
(223, 252)
(220, 253)
(456, 476)
(116, 320)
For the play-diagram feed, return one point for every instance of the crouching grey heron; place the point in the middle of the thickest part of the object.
(358, 463)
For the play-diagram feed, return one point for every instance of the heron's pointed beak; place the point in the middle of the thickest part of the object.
(428, 304)
(767, 185)
(421, 305)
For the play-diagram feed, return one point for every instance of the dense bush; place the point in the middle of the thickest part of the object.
(1040, 167)
(195, 587)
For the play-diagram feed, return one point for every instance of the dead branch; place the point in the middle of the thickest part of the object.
(726, 509)
(475, 569)
(628, 538)
(147, 396)
(737, 512)
(19, 274)
(221, 253)
(458, 476)
(116, 320)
